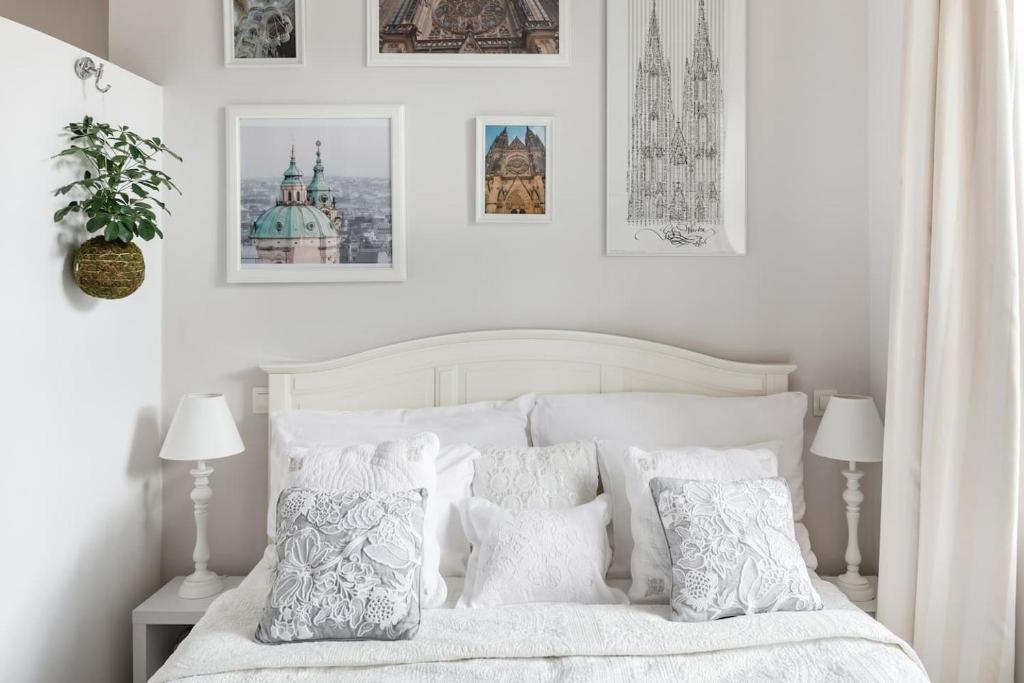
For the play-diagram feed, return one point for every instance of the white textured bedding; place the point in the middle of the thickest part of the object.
(553, 642)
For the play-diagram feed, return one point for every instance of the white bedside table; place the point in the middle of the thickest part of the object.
(869, 606)
(159, 622)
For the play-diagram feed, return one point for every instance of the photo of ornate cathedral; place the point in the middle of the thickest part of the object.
(515, 170)
(292, 218)
(304, 225)
(674, 181)
(498, 27)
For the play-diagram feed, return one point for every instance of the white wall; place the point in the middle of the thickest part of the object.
(80, 406)
(885, 43)
(800, 295)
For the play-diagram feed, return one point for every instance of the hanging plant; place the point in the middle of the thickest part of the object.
(116, 196)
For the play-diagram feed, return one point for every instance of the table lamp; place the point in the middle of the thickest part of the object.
(851, 431)
(202, 429)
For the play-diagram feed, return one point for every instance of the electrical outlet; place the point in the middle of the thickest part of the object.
(260, 398)
(821, 397)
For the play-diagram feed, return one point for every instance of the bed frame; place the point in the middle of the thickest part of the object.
(502, 364)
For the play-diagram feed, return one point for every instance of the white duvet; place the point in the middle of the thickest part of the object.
(553, 642)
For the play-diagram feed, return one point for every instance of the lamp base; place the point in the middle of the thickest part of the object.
(200, 585)
(855, 587)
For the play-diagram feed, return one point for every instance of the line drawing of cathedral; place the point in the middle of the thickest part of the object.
(674, 181)
(515, 175)
(304, 226)
(469, 26)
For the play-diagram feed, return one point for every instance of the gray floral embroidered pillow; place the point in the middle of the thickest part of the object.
(733, 548)
(348, 566)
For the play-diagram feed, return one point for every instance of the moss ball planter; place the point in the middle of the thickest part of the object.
(109, 270)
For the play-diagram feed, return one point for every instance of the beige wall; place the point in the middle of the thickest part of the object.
(82, 23)
(801, 294)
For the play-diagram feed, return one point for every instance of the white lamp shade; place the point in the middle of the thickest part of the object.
(202, 429)
(851, 430)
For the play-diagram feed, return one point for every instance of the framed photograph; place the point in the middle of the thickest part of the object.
(467, 32)
(264, 32)
(677, 183)
(513, 169)
(315, 193)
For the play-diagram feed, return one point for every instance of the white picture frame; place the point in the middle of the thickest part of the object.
(237, 272)
(628, 25)
(231, 61)
(375, 58)
(479, 159)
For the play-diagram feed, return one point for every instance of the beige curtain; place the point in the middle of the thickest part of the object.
(951, 500)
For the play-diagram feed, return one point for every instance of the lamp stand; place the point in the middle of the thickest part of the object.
(853, 585)
(202, 583)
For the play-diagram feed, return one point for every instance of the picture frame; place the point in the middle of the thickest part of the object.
(368, 242)
(460, 58)
(512, 191)
(263, 26)
(689, 197)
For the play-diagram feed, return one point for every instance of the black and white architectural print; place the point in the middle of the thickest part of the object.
(264, 32)
(676, 134)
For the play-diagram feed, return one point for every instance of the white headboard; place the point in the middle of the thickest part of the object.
(503, 364)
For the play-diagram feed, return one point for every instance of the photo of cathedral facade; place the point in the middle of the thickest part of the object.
(674, 180)
(469, 27)
(515, 170)
(293, 221)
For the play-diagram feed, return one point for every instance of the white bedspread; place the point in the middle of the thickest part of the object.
(553, 642)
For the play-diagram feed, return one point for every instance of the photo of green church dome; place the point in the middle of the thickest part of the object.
(326, 219)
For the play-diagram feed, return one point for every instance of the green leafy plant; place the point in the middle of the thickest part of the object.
(119, 182)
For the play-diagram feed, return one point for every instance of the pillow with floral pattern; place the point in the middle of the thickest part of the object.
(732, 547)
(348, 566)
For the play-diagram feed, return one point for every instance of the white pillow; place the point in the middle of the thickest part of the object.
(651, 566)
(454, 478)
(537, 555)
(658, 421)
(546, 478)
(388, 467)
(490, 423)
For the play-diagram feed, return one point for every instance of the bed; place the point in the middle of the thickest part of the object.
(558, 642)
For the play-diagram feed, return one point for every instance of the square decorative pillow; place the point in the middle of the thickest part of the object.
(649, 564)
(733, 548)
(537, 555)
(552, 477)
(386, 467)
(348, 566)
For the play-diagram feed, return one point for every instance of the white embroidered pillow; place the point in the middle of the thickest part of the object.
(649, 563)
(388, 467)
(537, 555)
(551, 477)
(732, 547)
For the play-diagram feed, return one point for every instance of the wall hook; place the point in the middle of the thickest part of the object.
(86, 68)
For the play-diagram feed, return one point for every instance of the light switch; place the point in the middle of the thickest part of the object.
(260, 398)
(821, 397)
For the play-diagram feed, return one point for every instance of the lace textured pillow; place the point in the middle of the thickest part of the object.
(386, 466)
(348, 566)
(649, 562)
(537, 555)
(548, 478)
(733, 548)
